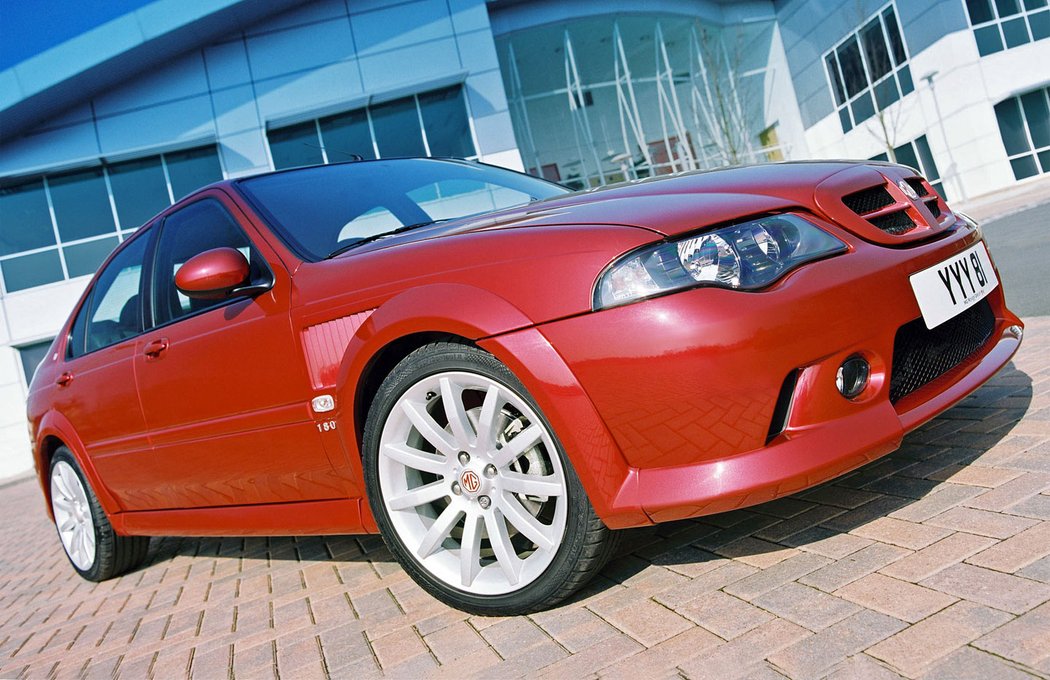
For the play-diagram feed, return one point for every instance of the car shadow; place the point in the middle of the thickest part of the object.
(807, 521)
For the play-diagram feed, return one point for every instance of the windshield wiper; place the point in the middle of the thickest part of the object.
(381, 235)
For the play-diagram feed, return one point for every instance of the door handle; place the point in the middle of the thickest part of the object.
(155, 348)
(64, 379)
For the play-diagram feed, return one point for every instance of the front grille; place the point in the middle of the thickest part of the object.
(934, 205)
(918, 185)
(868, 200)
(895, 223)
(921, 355)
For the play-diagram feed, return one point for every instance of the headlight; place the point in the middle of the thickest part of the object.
(743, 256)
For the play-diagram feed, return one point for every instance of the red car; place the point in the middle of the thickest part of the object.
(494, 372)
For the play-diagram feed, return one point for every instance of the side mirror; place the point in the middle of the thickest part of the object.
(212, 275)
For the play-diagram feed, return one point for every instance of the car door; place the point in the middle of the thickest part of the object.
(96, 389)
(223, 387)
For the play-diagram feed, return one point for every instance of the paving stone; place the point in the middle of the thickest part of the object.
(826, 542)
(662, 658)
(1036, 507)
(847, 570)
(1025, 640)
(1009, 593)
(783, 572)
(756, 552)
(861, 667)
(968, 663)
(931, 559)
(644, 620)
(805, 606)
(899, 599)
(981, 522)
(1016, 552)
(976, 475)
(723, 614)
(946, 496)
(898, 532)
(1037, 571)
(812, 657)
(737, 658)
(912, 650)
(1011, 493)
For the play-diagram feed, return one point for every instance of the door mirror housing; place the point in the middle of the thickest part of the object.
(214, 275)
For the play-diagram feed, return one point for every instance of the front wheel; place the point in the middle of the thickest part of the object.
(472, 490)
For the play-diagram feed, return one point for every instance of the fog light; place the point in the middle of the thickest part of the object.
(852, 377)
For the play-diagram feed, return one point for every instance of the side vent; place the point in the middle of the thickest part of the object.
(325, 344)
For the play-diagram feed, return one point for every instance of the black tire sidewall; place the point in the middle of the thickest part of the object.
(440, 358)
(104, 535)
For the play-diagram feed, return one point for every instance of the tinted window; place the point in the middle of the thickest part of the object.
(81, 204)
(346, 136)
(310, 209)
(190, 170)
(445, 122)
(114, 310)
(397, 129)
(139, 190)
(295, 146)
(84, 258)
(28, 271)
(32, 355)
(25, 221)
(197, 228)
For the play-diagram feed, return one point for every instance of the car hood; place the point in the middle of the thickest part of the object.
(677, 204)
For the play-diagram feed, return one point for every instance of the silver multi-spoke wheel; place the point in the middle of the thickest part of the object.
(76, 528)
(472, 483)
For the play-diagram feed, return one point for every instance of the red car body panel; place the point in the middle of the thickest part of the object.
(663, 406)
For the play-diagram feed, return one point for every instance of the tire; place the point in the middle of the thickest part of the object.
(436, 485)
(93, 548)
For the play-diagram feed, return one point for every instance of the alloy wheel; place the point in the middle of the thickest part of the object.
(69, 501)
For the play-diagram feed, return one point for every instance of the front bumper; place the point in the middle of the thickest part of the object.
(686, 384)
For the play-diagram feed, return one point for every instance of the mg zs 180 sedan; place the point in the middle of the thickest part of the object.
(496, 373)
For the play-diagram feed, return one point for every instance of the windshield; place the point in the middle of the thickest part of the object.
(322, 210)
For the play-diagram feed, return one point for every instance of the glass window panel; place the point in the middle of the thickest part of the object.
(25, 221)
(875, 49)
(1034, 4)
(1044, 160)
(451, 198)
(84, 258)
(844, 119)
(397, 130)
(939, 188)
(906, 156)
(139, 190)
(81, 204)
(115, 308)
(28, 271)
(1011, 126)
(1040, 22)
(880, 157)
(295, 145)
(1007, 7)
(1037, 115)
(196, 228)
(32, 355)
(863, 108)
(988, 40)
(836, 81)
(852, 67)
(1024, 167)
(904, 75)
(1016, 32)
(347, 135)
(192, 169)
(929, 166)
(894, 32)
(886, 93)
(980, 11)
(445, 121)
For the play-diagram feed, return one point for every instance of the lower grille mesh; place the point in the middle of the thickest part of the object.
(895, 223)
(921, 355)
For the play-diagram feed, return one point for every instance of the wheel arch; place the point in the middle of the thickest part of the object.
(56, 431)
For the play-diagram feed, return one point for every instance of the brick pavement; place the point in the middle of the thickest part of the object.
(933, 562)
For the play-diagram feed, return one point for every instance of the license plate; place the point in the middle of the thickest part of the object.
(958, 283)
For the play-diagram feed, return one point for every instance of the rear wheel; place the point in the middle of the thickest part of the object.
(472, 490)
(93, 548)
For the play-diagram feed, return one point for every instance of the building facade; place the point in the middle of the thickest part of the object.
(129, 105)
